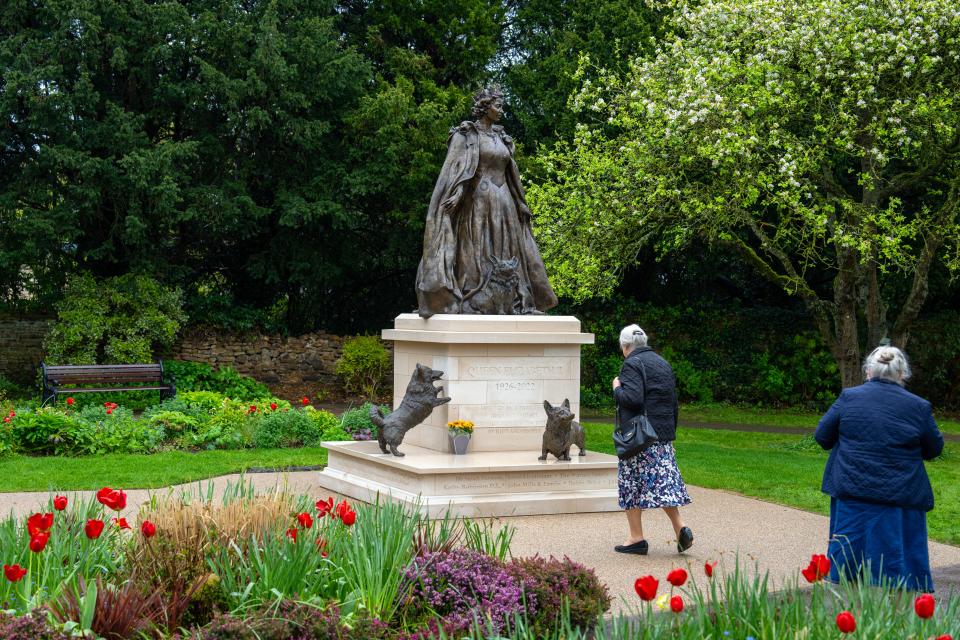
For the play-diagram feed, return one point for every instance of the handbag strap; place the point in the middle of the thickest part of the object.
(643, 376)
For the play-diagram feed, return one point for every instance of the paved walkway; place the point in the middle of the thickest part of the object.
(765, 536)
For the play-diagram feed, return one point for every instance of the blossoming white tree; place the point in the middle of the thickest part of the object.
(811, 136)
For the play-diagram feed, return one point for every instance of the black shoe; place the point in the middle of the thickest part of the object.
(639, 548)
(685, 541)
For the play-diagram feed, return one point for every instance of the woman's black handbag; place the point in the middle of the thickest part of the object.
(638, 434)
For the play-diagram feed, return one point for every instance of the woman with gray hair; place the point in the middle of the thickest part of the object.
(650, 479)
(878, 435)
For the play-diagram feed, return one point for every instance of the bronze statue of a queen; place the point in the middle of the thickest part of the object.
(479, 255)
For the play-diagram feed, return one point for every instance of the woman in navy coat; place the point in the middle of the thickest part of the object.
(878, 435)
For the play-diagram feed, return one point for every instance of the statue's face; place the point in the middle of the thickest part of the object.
(495, 112)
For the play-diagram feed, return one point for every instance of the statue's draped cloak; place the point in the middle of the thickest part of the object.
(437, 278)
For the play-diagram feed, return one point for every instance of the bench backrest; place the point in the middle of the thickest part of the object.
(97, 374)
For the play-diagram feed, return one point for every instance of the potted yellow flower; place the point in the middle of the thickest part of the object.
(459, 432)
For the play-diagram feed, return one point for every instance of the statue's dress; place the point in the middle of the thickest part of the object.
(459, 247)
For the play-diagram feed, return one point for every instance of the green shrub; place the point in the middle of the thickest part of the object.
(118, 320)
(290, 428)
(10, 390)
(48, 431)
(327, 423)
(198, 376)
(116, 432)
(357, 423)
(7, 440)
(90, 430)
(174, 423)
(229, 427)
(364, 365)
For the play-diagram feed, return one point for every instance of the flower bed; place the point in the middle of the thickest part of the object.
(194, 420)
(279, 566)
(265, 566)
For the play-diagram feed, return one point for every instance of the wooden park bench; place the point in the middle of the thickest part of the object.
(99, 378)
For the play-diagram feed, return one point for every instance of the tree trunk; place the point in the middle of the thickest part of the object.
(847, 349)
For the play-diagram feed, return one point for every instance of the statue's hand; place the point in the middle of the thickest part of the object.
(524, 212)
(448, 205)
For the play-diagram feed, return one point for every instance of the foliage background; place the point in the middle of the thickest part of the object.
(272, 160)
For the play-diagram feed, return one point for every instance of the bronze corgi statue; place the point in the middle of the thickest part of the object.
(562, 432)
(418, 402)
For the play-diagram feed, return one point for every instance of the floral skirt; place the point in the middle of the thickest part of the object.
(652, 480)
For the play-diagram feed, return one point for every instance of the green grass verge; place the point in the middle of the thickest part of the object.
(785, 469)
(22, 473)
(730, 414)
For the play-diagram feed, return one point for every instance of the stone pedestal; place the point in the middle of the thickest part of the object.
(498, 370)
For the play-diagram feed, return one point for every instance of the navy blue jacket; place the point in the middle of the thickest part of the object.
(660, 395)
(879, 435)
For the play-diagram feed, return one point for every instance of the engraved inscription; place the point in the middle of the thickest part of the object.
(514, 391)
(515, 386)
(515, 368)
(503, 415)
(527, 481)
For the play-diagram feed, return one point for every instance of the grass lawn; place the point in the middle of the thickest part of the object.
(786, 469)
(730, 414)
(22, 473)
(781, 468)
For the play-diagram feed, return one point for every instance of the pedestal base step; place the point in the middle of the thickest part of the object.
(478, 484)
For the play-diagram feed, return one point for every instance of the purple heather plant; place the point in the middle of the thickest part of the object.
(463, 586)
(558, 581)
(29, 627)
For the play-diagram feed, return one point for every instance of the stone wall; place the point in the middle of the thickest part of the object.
(21, 347)
(295, 362)
(298, 365)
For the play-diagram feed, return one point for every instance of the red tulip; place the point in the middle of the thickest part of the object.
(112, 498)
(6, 419)
(846, 622)
(924, 605)
(292, 533)
(273, 406)
(70, 401)
(342, 508)
(305, 520)
(325, 506)
(38, 542)
(148, 529)
(39, 523)
(304, 400)
(708, 568)
(818, 569)
(646, 587)
(676, 604)
(13, 414)
(93, 528)
(252, 409)
(945, 636)
(677, 577)
(120, 522)
(60, 503)
(109, 412)
(14, 572)
(346, 513)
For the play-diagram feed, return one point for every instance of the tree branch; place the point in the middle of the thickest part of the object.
(907, 179)
(920, 287)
